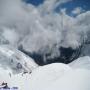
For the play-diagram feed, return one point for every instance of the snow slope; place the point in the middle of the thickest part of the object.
(75, 80)
(15, 60)
(46, 75)
(60, 76)
(38, 79)
(56, 76)
(82, 62)
(50, 77)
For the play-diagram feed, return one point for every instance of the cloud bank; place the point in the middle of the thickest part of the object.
(40, 29)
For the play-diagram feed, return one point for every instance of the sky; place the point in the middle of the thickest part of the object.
(35, 2)
(81, 3)
(71, 5)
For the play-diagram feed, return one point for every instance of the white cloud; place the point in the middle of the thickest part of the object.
(77, 10)
(40, 32)
(49, 5)
(11, 36)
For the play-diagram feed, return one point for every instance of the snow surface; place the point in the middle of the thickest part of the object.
(46, 75)
(82, 62)
(75, 80)
(56, 76)
(16, 60)
(50, 77)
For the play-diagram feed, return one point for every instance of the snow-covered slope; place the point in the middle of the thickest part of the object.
(82, 62)
(17, 80)
(75, 80)
(39, 79)
(44, 76)
(50, 77)
(15, 60)
(56, 76)
(60, 76)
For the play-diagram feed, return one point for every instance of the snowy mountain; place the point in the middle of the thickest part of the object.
(54, 76)
(43, 48)
(20, 71)
(15, 60)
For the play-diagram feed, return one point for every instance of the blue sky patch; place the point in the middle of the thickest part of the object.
(35, 2)
(71, 5)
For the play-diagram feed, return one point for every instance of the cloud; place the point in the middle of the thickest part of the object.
(11, 36)
(50, 5)
(42, 32)
(77, 11)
